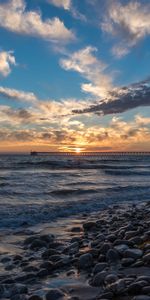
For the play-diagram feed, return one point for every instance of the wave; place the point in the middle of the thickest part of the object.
(12, 216)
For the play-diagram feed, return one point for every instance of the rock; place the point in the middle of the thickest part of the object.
(5, 259)
(112, 256)
(38, 244)
(99, 267)
(48, 238)
(34, 297)
(135, 287)
(43, 273)
(146, 289)
(118, 287)
(85, 261)
(133, 253)
(76, 229)
(146, 258)
(47, 253)
(127, 261)
(121, 248)
(110, 278)
(130, 234)
(89, 225)
(73, 248)
(137, 264)
(48, 265)
(144, 277)
(104, 248)
(17, 258)
(99, 278)
(111, 238)
(19, 289)
(106, 295)
(54, 294)
(141, 297)
(136, 240)
(30, 269)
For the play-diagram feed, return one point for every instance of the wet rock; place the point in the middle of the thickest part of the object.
(18, 289)
(121, 248)
(146, 289)
(118, 287)
(30, 269)
(85, 261)
(130, 234)
(48, 265)
(17, 258)
(126, 262)
(35, 297)
(43, 273)
(135, 288)
(106, 295)
(111, 238)
(136, 240)
(76, 229)
(48, 238)
(112, 256)
(99, 267)
(73, 248)
(47, 253)
(5, 259)
(110, 278)
(99, 278)
(104, 248)
(38, 244)
(89, 225)
(141, 297)
(54, 294)
(137, 264)
(133, 253)
(146, 258)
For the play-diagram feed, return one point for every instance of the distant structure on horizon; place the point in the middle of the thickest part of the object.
(104, 153)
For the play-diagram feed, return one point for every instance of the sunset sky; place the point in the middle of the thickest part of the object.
(74, 74)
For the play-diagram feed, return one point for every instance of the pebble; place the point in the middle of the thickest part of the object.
(99, 278)
(85, 261)
(112, 256)
(118, 287)
(99, 267)
(133, 253)
(141, 297)
(54, 294)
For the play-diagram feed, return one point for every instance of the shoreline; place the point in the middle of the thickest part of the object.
(106, 255)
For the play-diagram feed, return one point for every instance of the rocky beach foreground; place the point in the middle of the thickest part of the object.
(106, 257)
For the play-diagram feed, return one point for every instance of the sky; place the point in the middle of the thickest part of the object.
(74, 75)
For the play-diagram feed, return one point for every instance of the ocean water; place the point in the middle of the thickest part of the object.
(38, 189)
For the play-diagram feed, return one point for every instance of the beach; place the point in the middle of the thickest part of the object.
(105, 256)
(87, 239)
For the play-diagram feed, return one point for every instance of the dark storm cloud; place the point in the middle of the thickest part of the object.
(121, 100)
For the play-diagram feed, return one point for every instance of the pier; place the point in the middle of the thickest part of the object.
(92, 154)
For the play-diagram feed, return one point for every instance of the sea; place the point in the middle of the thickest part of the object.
(41, 189)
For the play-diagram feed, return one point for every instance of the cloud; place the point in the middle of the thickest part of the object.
(90, 67)
(7, 60)
(14, 17)
(122, 99)
(13, 94)
(66, 4)
(117, 135)
(128, 22)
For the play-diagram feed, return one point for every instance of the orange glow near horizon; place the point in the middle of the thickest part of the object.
(78, 150)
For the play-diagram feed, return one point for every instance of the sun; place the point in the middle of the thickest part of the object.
(77, 150)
